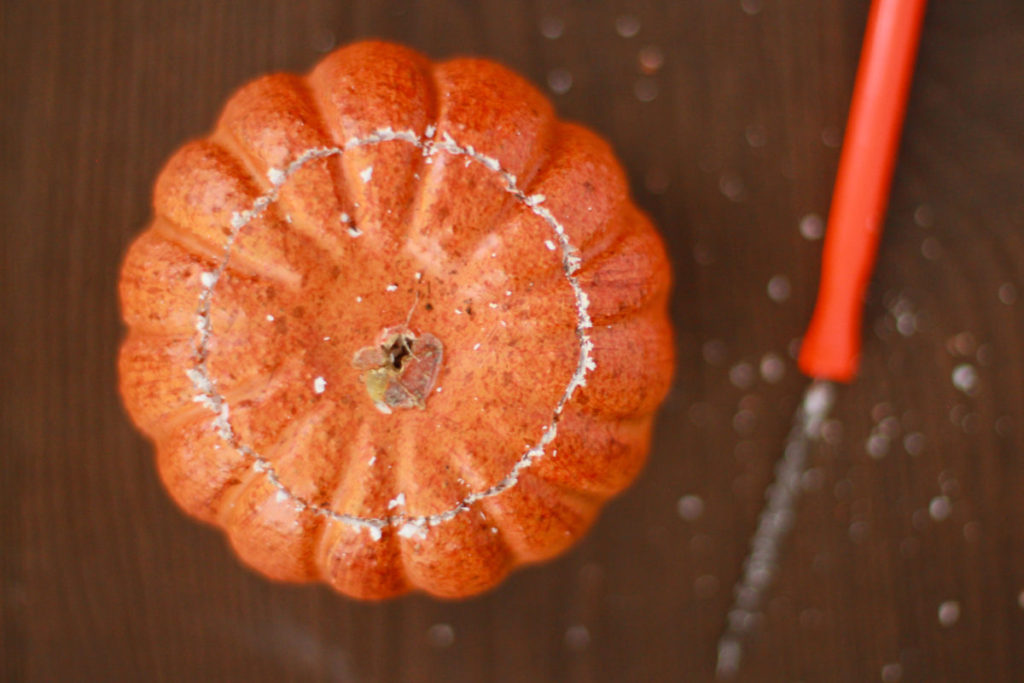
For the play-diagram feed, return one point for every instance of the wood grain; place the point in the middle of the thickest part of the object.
(729, 144)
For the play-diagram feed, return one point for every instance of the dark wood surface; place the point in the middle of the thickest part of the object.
(730, 144)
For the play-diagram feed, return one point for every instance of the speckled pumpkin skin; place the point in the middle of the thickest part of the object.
(446, 201)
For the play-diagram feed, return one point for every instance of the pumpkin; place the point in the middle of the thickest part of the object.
(395, 326)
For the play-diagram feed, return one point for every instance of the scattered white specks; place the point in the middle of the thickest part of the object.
(627, 25)
(940, 508)
(319, 385)
(690, 507)
(396, 501)
(441, 635)
(949, 613)
(353, 231)
(560, 81)
(577, 637)
(276, 176)
(772, 368)
(741, 375)
(549, 244)
(812, 227)
(892, 673)
(208, 279)
(391, 288)
(551, 27)
(1008, 293)
(270, 318)
(366, 174)
(779, 288)
(965, 378)
(375, 531)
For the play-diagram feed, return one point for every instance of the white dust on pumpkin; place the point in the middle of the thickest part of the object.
(411, 380)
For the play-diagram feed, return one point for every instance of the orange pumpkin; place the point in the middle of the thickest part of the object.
(395, 326)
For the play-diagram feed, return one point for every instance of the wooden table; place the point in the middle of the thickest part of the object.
(907, 559)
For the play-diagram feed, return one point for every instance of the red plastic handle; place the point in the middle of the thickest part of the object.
(831, 347)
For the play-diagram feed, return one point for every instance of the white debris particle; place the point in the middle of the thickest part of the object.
(366, 174)
(551, 27)
(344, 217)
(732, 186)
(396, 501)
(359, 299)
(779, 288)
(750, 7)
(892, 673)
(812, 227)
(627, 25)
(353, 231)
(577, 637)
(410, 529)
(965, 378)
(270, 318)
(549, 244)
(772, 368)
(276, 176)
(924, 215)
(476, 347)
(949, 613)
(375, 532)
(831, 136)
(741, 375)
(646, 90)
(319, 384)
(940, 508)
(208, 279)
(756, 136)
(650, 58)
(1008, 293)
(877, 445)
(560, 81)
(373, 461)
(714, 351)
(418, 276)
(441, 635)
(690, 507)
(392, 287)
(914, 443)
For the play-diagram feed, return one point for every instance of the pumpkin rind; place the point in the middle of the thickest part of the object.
(329, 221)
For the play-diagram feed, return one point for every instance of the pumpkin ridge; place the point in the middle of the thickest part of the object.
(280, 205)
(218, 404)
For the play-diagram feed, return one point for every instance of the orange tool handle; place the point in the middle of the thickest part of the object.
(831, 347)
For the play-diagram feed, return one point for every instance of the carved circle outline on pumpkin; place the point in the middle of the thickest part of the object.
(218, 404)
